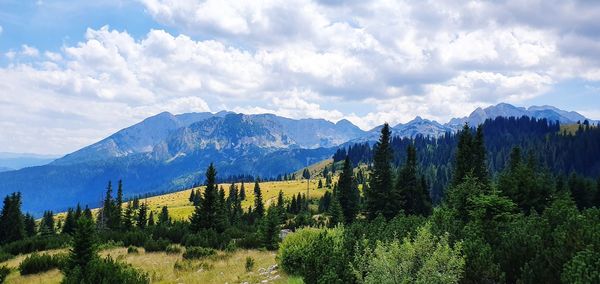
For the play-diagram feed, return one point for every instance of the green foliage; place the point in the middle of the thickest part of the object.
(205, 213)
(36, 263)
(106, 271)
(173, 249)
(582, 268)
(4, 256)
(132, 250)
(424, 259)
(84, 247)
(269, 228)
(11, 219)
(347, 192)
(249, 263)
(315, 254)
(259, 207)
(4, 271)
(152, 245)
(412, 190)
(198, 252)
(37, 243)
(380, 196)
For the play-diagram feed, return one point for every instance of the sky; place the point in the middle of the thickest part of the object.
(73, 72)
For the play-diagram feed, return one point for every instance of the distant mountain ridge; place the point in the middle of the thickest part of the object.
(166, 151)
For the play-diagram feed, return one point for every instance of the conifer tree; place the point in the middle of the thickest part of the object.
(222, 216)
(47, 226)
(320, 185)
(270, 228)
(29, 223)
(347, 192)
(106, 218)
(335, 211)
(479, 157)
(325, 202)
(84, 248)
(234, 205)
(463, 160)
(118, 208)
(70, 223)
(87, 213)
(204, 216)
(11, 219)
(192, 196)
(259, 207)
(128, 217)
(413, 192)
(294, 204)
(163, 218)
(151, 219)
(142, 217)
(378, 196)
(242, 192)
(78, 213)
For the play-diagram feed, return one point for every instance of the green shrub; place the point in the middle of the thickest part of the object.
(198, 252)
(132, 250)
(37, 243)
(106, 271)
(4, 256)
(317, 255)
(206, 238)
(187, 265)
(249, 263)
(37, 263)
(156, 245)
(173, 249)
(4, 271)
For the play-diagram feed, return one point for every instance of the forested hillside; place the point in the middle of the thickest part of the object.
(559, 152)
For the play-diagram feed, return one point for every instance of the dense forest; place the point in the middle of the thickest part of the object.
(559, 152)
(511, 201)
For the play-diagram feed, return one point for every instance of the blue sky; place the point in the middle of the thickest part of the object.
(73, 72)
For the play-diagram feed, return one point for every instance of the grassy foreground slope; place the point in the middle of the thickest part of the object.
(170, 268)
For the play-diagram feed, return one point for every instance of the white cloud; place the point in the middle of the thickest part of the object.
(369, 62)
(1, 30)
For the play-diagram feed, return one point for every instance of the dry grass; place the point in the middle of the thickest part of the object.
(221, 268)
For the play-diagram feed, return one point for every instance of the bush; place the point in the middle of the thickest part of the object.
(231, 246)
(37, 243)
(250, 240)
(132, 250)
(156, 245)
(4, 271)
(106, 271)
(198, 252)
(249, 263)
(173, 249)
(317, 255)
(206, 238)
(130, 238)
(37, 263)
(4, 256)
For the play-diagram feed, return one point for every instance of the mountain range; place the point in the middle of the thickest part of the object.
(167, 152)
(16, 161)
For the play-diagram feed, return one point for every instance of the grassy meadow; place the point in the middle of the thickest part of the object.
(171, 268)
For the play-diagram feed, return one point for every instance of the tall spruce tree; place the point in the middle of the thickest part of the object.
(47, 226)
(142, 216)
(29, 223)
(70, 223)
(127, 222)
(412, 190)
(205, 214)
(84, 248)
(269, 228)
(151, 219)
(259, 207)
(463, 159)
(118, 209)
(242, 192)
(11, 219)
(347, 192)
(163, 218)
(234, 205)
(379, 199)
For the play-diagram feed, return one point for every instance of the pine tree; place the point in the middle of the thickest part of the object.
(463, 160)
(320, 185)
(118, 210)
(78, 213)
(142, 217)
(29, 223)
(269, 229)
(378, 196)
(294, 205)
(259, 207)
(335, 211)
(479, 157)
(87, 213)
(306, 174)
(163, 218)
(204, 216)
(70, 223)
(47, 224)
(242, 192)
(192, 196)
(222, 216)
(151, 219)
(281, 205)
(412, 190)
(84, 245)
(128, 217)
(107, 209)
(11, 219)
(347, 192)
